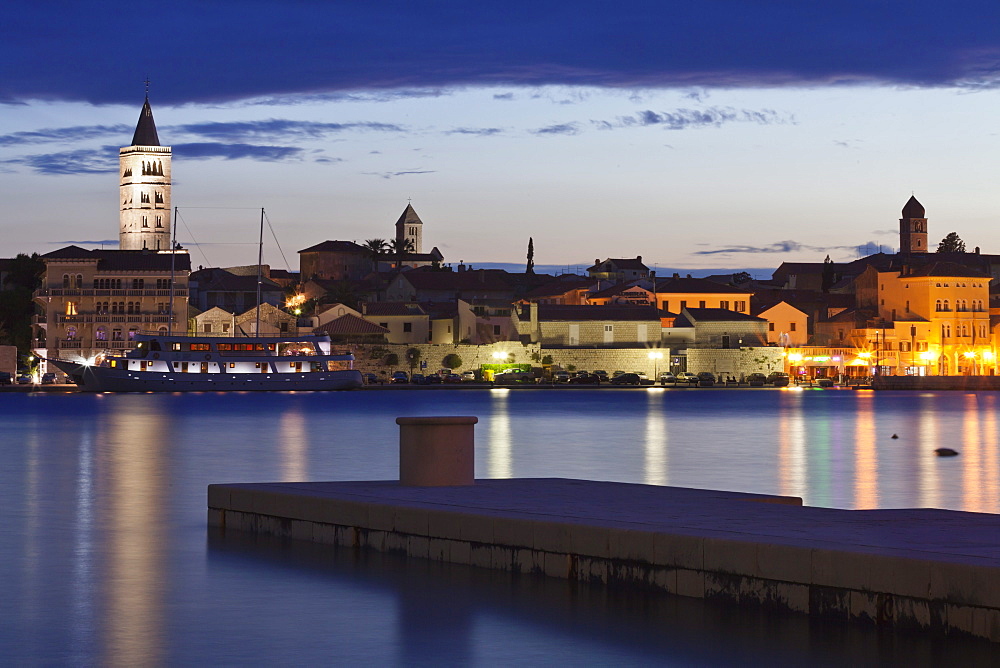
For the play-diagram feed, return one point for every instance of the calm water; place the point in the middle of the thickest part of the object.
(105, 559)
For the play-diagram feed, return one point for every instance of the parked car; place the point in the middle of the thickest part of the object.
(643, 378)
(400, 377)
(667, 377)
(756, 380)
(602, 374)
(417, 379)
(432, 379)
(585, 379)
(824, 382)
(452, 378)
(706, 379)
(615, 374)
(626, 379)
(24, 379)
(370, 378)
(48, 378)
(468, 376)
(6, 378)
(560, 377)
(687, 377)
(778, 378)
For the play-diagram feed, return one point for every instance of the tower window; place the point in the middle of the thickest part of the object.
(145, 221)
(159, 221)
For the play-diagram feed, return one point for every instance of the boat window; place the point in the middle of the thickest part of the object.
(224, 346)
(174, 345)
(200, 346)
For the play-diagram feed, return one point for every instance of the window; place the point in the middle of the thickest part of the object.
(937, 305)
(770, 326)
(116, 334)
(384, 324)
(159, 221)
(100, 334)
(724, 304)
(407, 326)
(65, 280)
(701, 304)
(71, 333)
(741, 307)
(132, 331)
(904, 346)
(145, 221)
(71, 308)
(138, 283)
(496, 330)
(207, 328)
(791, 326)
(684, 303)
(609, 328)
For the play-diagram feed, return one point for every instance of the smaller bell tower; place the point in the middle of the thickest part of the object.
(913, 228)
(144, 190)
(409, 226)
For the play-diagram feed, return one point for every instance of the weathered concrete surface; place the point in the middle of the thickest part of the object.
(931, 569)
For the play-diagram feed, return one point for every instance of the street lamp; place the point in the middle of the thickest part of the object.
(656, 356)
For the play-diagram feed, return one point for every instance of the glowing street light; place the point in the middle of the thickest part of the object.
(656, 357)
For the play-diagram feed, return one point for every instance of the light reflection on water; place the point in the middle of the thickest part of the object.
(102, 514)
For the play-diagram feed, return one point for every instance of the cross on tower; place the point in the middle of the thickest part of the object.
(146, 81)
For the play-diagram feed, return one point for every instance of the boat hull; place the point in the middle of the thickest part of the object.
(107, 379)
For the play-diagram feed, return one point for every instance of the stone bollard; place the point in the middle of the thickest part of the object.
(436, 451)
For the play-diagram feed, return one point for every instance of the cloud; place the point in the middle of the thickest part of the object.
(681, 119)
(882, 233)
(275, 129)
(561, 129)
(70, 134)
(387, 49)
(479, 132)
(82, 161)
(503, 96)
(206, 150)
(787, 246)
(389, 175)
(326, 160)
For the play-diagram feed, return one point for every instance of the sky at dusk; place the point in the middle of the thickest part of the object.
(703, 136)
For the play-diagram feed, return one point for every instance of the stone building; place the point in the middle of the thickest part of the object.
(335, 260)
(588, 326)
(92, 301)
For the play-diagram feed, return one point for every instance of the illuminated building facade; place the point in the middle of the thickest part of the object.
(144, 190)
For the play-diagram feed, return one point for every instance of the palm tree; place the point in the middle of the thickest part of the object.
(399, 248)
(376, 249)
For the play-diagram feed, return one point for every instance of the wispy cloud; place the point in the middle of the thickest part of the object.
(390, 175)
(206, 150)
(681, 119)
(276, 129)
(82, 161)
(63, 135)
(787, 246)
(479, 132)
(503, 96)
(326, 160)
(560, 129)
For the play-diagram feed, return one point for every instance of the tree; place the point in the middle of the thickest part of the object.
(413, 357)
(452, 361)
(741, 277)
(530, 268)
(391, 360)
(399, 248)
(376, 249)
(951, 244)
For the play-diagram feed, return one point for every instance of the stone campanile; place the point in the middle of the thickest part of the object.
(144, 193)
(409, 226)
(913, 228)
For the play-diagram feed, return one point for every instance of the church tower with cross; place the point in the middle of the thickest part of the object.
(410, 227)
(144, 190)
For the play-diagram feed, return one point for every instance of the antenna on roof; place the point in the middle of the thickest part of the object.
(146, 81)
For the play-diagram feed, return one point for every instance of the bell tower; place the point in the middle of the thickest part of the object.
(913, 228)
(144, 191)
(409, 226)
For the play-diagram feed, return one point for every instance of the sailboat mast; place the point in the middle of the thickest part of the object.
(260, 259)
(173, 266)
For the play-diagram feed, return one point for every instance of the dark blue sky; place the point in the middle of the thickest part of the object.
(216, 51)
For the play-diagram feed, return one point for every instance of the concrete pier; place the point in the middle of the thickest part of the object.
(934, 570)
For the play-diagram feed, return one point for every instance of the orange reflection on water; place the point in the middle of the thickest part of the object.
(865, 453)
(971, 447)
(991, 461)
(135, 440)
(792, 465)
(929, 440)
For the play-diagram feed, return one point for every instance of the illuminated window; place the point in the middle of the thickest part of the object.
(71, 308)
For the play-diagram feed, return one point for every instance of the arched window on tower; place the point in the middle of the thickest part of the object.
(65, 280)
(159, 221)
(145, 221)
(937, 305)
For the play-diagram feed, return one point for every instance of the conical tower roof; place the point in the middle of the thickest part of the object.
(145, 129)
(913, 208)
(409, 216)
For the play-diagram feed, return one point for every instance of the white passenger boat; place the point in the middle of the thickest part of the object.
(182, 363)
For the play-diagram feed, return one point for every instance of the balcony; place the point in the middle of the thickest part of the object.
(179, 291)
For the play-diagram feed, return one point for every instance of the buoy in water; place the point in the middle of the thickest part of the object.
(945, 452)
(894, 436)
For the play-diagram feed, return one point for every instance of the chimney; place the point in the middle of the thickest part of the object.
(638, 258)
(364, 308)
(597, 261)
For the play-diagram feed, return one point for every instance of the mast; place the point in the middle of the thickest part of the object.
(173, 264)
(260, 258)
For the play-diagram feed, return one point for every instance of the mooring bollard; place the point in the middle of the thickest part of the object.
(437, 451)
